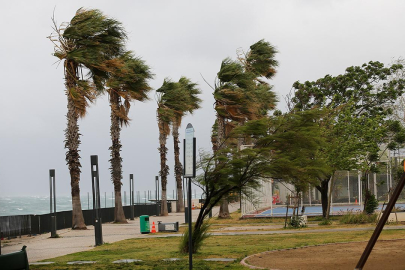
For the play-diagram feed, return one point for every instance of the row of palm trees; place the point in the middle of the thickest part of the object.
(94, 43)
(175, 99)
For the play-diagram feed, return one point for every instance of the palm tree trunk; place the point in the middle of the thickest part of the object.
(178, 169)
(221, 132)
(116, 160)
(223, 208)
(164, 169)
(72, 142)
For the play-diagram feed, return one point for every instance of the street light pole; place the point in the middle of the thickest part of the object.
(98, 234)
(52, 195)
(189, 172)
(157, 186)
(131, 194)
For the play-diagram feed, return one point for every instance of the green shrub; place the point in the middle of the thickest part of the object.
(358, 218)
(297, 222)
(371, 204)
(198, 237)
(325, 221)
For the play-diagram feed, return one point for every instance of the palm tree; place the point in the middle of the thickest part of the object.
(242, 94)
(89, 41)
(231, 105)
(171, 99)
(127, 83)
(192, 103)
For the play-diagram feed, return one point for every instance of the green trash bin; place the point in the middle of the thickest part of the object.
(145, 227)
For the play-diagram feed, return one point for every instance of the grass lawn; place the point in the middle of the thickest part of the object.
(153, 250)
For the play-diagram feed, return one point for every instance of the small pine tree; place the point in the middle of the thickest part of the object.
(371, 204)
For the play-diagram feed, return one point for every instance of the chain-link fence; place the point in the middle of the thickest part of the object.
(348, 189)
(255, 199)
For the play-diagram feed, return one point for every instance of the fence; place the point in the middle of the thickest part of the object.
(347, 189)
(255, 199)
(12, 226)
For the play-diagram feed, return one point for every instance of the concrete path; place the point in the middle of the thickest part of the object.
(281, 231)
(43, 247)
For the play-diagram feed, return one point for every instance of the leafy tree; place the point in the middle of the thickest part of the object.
(174, 99)
(398, 118)
(90, 41)
(241, 94)
(357, 122)
(284, 147)
(127, 83)
(294, 139)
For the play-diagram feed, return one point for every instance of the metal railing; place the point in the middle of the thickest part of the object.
(14, 226)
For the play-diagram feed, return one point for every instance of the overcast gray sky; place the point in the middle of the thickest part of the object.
(175, 38)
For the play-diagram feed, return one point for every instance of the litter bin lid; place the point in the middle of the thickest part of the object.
(144, 217)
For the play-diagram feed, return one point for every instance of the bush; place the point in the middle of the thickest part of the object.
(198, 237)
(358, 218)
(325, 221)
(297, 222)
(371, 204)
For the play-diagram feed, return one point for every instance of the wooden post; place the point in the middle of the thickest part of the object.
(381, 223)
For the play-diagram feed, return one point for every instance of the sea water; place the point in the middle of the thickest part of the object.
(37, 205)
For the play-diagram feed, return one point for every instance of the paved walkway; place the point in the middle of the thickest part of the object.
(283, 231)
(43, 247)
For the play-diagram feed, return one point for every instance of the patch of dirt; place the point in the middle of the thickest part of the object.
(385, 255)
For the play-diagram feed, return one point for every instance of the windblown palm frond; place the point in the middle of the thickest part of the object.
(261, 59)
(241, 94)
(90, 40)
(128, 80)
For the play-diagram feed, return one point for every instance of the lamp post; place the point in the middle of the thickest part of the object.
(157, 190)
(189, 172)
(131, 194)
(52, 194)
(98, 234)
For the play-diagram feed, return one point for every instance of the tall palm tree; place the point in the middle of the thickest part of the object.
(192, 103)
(127, 83)
(89, 41)
(171, 98)
(232, 107)
(242, 93)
